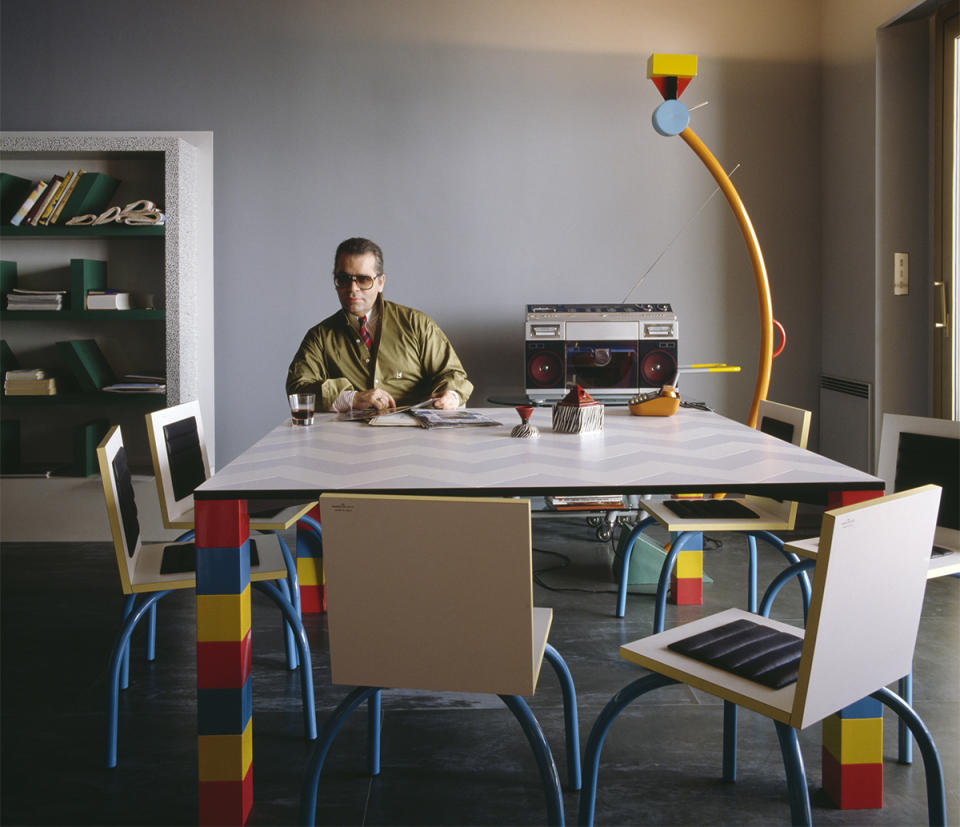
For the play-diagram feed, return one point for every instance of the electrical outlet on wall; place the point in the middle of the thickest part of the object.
(901, 274)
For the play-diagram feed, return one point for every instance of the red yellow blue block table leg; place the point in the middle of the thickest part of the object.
(852, 749)
(852, 756)
(224, 694)
(686, 580)
(313, 596)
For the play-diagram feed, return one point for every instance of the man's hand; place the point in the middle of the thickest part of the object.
(448, 400)
(381, 400)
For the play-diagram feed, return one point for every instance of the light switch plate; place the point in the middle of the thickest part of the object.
(901, 274)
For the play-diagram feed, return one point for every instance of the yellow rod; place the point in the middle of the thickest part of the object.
(718, 369)
(759, 269)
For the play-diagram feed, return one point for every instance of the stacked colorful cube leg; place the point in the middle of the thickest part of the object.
(852, 755)
(686, 580)
(224, 694)
(313, 596)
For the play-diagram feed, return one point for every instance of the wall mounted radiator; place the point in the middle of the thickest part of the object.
(846, 421)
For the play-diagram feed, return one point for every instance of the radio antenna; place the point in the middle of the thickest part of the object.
(670, 243)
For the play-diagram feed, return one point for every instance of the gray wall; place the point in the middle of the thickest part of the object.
(501, 153)
(904, 216)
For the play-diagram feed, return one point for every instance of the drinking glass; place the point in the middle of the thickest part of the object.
(301, 408)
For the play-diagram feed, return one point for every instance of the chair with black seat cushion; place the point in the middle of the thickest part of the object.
(914, 450)
(181, 463)
(150, 571)
(755, 517)
(411, 608)
(861, 630)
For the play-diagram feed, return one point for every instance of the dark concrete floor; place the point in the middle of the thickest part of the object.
(447, 759)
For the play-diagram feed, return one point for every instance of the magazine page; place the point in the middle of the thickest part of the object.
(435, 418)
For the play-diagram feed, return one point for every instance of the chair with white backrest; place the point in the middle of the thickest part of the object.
(152, 570)
(868, 588)
(914, 450)
(756, 517)
(409, 608)
(180, 464)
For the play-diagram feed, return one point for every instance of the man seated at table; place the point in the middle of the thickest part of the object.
(375, 353)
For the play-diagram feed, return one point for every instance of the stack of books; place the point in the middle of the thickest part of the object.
(19, 299)
(64, 196)
(29, 382)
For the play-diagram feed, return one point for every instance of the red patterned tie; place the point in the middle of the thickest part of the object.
(364, 334)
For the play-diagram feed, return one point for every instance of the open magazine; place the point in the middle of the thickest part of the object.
(436, 418)
(377, 416)
(420, 415)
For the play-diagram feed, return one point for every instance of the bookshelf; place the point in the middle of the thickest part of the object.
(166, 268)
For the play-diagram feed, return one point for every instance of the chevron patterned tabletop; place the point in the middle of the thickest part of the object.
(691, 451)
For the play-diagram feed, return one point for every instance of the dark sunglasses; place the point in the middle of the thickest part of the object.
(364, 282)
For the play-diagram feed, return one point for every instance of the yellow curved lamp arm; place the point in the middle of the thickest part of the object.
(759, 268)
(671, 74)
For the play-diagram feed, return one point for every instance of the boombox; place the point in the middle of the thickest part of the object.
(612, 350)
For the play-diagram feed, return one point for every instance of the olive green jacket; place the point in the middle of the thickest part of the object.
(411, 359)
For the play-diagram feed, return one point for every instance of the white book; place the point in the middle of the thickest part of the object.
(135, 387)
(108, 301)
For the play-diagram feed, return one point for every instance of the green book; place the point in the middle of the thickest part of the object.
(86, 438)
(86, 363)
(86, 274)
(92, 194)
(8, 276)
(9, 446)
(13, 192)
(8, 361)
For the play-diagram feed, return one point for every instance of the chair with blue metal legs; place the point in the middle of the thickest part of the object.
(755, 517)
(181, 463)
(914, 450)
(436, 593)
(867, 596)
(150, 571)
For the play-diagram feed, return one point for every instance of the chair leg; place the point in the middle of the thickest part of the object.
(591, 758)
(663, 585)
(796, 776)
(374, 724)
(541, 751)
(128, 604)
(292, 577)
(751, 573)
(119, 652)
(729, 741)
(303, 646)
(792, 559)
(313, 525)
(152, 634)
(289, 640)
(624, 551)
(336, 719)
(932, 768)
(570, 716)
(904, 740)
(331, 727)
(291, 590)
(778, 582)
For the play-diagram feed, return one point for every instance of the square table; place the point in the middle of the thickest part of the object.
(692, 451)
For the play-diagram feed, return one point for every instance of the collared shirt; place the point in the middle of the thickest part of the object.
(411, 358)
(373, 321)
